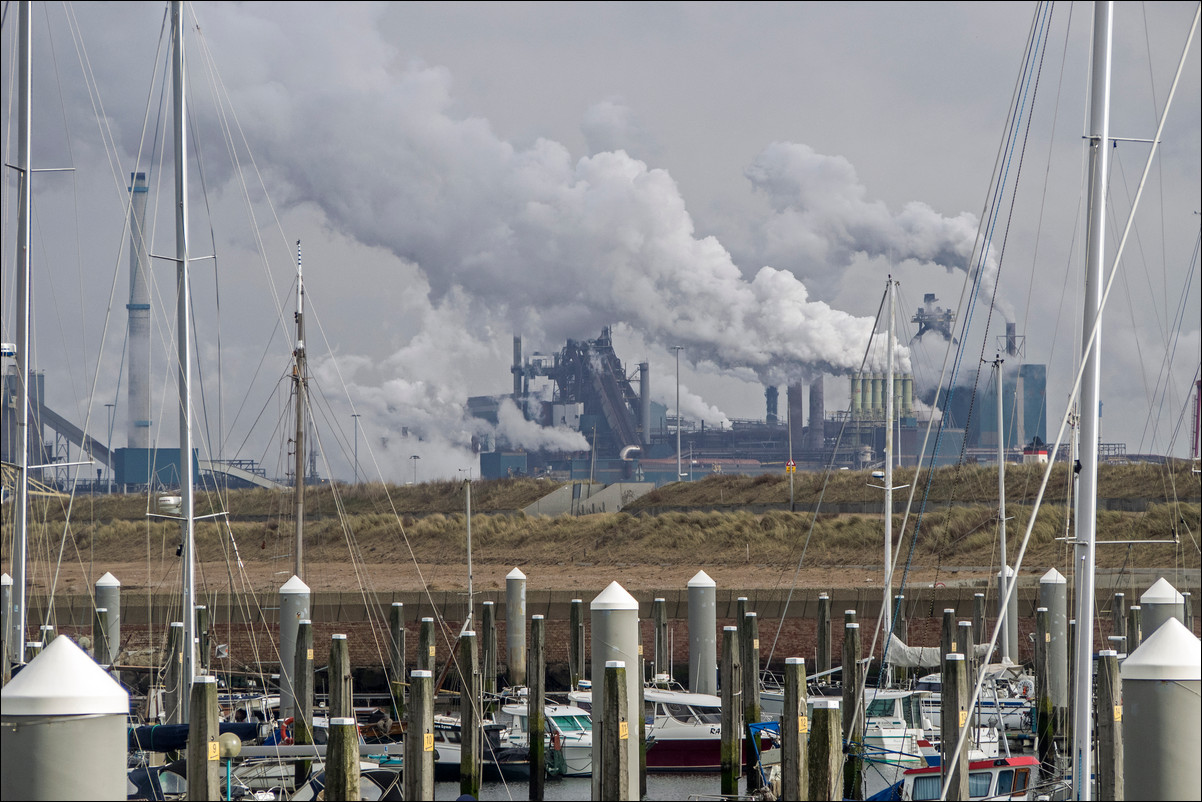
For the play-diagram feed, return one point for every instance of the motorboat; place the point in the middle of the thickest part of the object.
(995, 778)
(569, 735)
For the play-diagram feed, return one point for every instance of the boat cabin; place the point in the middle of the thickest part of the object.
(1002, 778)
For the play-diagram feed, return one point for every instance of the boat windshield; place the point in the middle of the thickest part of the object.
(572, 723)
(880, 708)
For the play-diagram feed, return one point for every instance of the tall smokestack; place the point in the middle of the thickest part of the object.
(138, 388)
(516, 370)
(817, 416)
(645, 400)
(771, 394)
(1011, 339)
(796, 405)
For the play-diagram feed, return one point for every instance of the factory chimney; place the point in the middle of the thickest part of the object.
(645, 401)
(817, 433)
(516, 370)
(138, 308)
(771, 394)
(796, 410)
(1011, 339)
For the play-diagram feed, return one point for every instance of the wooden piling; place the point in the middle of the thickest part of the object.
(825, 757)
(419, 737)
(576, 658)
(100, 636)
(948, 632)
(730, 680)
(749, 640)
(980, 634)
(342, 759)
(615, 731)
(488, 647)
(302, 695)
(952, 719)
(536, 675)
(823, 656)
(396, 659)
(1108, 716)
(659, 618)
(1044, 711)
(1118, 616)
(794, 733)
(425, 646)
(471, 767)
(965, 642)
(1135, 627)
(853, 719)
(173, 691)
(901, 628)
(204, 652)
(342, 703)
(204, 756)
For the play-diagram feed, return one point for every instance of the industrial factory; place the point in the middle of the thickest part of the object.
(586, 387)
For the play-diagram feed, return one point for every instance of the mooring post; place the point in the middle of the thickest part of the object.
(1053, 594)
(108, 596)
(1045, 714)
(425, 647)
(1135, 627)
(294, 598)
(204, 763)
(419, 737)
(794, 733)
(853, 700)
(749, 639)
(396, 659)
(901, 628)
(342, 759)
(948, 632)
(6, 627)
(1108, 718)
(823, 656)
(659, 618)
(615, 733)
(825, 756)
(205, 653)
(515, 627)
(575, 643)
(1187, 600)
(536, 700)
(732, 726)
(488, 647)
(471, 767)
(303, 686)
(703, 623)
(614, 636)
(342, 703)
(964, 641)
(100, 634)
(173, 692)
(1118, 616)
(953, 717)
(978, 619)
(640, 705)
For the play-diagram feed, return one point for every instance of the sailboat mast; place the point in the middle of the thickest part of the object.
(301, 414)
(16, 645)
(1083, 551)
(889, 412)
(184, 342)
(1001, 503)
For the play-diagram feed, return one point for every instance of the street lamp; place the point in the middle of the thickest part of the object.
(355, 415)
(414, 458)
(678, 349)
(109, 446)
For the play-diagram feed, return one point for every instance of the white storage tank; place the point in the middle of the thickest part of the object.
(63, 729)
(1162, 717)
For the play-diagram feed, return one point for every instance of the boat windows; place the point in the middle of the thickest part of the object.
(926, 787)
(708, 715)
(978, 784)
(880, 708)
(681, 713)
(571, 723)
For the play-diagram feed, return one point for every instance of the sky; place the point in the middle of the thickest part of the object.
(737, 179)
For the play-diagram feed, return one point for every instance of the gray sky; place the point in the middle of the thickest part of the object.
(735, 178)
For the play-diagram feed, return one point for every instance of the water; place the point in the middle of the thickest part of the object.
(659, 786)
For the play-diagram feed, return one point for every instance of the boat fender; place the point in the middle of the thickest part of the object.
(555, 744)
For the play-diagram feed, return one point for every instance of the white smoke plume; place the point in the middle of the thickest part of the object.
(521, 433)
(823, 219)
